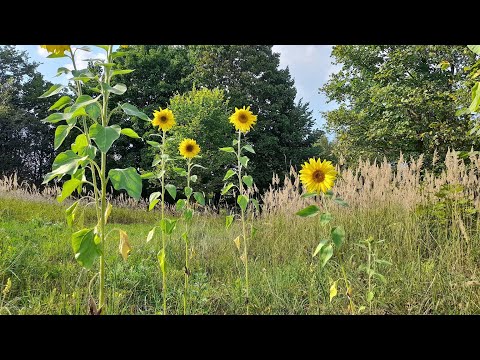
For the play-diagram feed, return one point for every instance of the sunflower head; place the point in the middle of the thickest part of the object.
(56, 49)
(189, 148)
(124, 46)
(243, 119)
(164, 119)
(318, 176)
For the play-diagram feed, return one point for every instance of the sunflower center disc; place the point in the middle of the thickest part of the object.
(189, 148)
(243, 118)
(318, 176)
(163, 119)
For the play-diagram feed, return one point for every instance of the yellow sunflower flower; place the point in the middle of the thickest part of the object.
(124, 46)
(189, 148)
(56, 49)
(243, 119)
(318, 176)
(164, 119)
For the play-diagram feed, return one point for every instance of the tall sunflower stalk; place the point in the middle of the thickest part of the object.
(189, 149)
(165, 120)
(243, 121)
(318, 178)
(91, 118)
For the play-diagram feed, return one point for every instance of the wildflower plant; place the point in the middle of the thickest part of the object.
(85, 163)
(165, 120)
(243, 121)
(189, 150)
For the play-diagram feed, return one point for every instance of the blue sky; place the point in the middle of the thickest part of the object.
(310, 67)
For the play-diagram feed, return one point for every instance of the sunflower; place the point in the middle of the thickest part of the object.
(243, 119)
(56, 49)
(189, 148)
(164, 119)
(318, 176)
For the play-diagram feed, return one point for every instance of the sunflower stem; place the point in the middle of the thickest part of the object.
(185, 296)
(164, 275)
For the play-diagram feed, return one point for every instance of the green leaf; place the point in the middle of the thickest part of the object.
(188, 191)
(127, 179)
(462, 111)
(474, 48)
(244, 160)
(248, 180)
(249, 148)
(93, 111)
(84, 247)
(199, 197)
(234, 142)
(199, 166)
(54, 89)
(338, 235)
(228, 149)
(132, 110)
(70, 213)
(256, 204)
(118, 89)
(66, 162)
(130, 133)
(228, 221)
(226, 188)
(168, 226)
(229, 174)
(61, 132)
(341, 202)
(121, 72)
(104, 137)
(172, 190)
(149, 175)
(82, 101)
(242, 200)
(61, 103)
(319, 247)
(329, 194)
(180, 205)
(325, 254)
(68, 188)
(325, 218)
(80, 143)
(153, 199)
(56, 117)
(180, 171)
(380, 277)
(475, 98)
(161, 261)
(154, 144)
(193, 178)
(308, 195)
(62, 70)
(444, 65)
(188, 214)
(370, 296)
(309, 211)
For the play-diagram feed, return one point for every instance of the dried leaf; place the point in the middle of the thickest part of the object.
(124, 246)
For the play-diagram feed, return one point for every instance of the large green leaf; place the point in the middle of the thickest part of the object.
(325, 218)
(118, 89)
(309, 211)
(66, 162)
(61, 132)
(121, 72)
(68, 188)
(228, 221)
(153, 199)
(104, 137)
(475, 98)
(56, 117)
(338, 234)
(70, 213)
(132, 110)
(128, 179)
(325, 254)
(248, 180)
(474, 48)
(93, 110)
(226, 188)
(249, 148)
(168, 226)
(85, 248)
(319, 247)
(244, 160)
(80, 143)
(172, 190)
(130, 133)
(242, 200)
(54, 89)
(199, 197)
(229, 174)
(61, 103)
(227, 149)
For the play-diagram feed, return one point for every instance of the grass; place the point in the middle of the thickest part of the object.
(429, 275)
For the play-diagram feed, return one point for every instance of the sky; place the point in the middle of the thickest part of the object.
(309, 65)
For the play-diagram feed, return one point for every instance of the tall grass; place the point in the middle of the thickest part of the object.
(425, 224)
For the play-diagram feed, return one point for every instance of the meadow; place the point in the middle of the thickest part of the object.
(411, 247)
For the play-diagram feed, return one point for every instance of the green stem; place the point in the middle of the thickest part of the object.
(245, 248)
(187, 270)
(164, 279)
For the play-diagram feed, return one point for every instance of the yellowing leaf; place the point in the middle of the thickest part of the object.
(150, 235)
(243, 258)
(333, 290)
(237, 242)
(108, 211)
(124, 246)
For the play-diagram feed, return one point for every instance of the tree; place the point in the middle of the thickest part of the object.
(25, 142)
(250, 75)
(396, 98)
(202, 115)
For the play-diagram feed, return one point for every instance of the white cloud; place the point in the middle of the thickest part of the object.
(42, 52)
(81, 56)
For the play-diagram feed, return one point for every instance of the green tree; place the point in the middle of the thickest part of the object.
(25, 143)
(250, 75)
(396, 98)
(202, 115)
